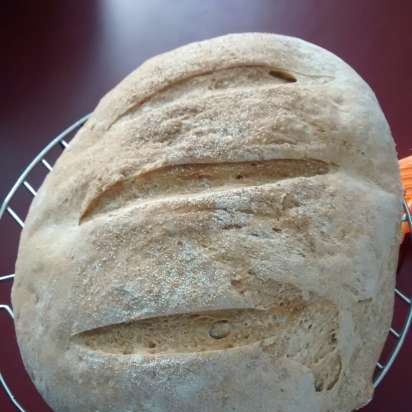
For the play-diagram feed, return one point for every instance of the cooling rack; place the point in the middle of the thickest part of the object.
(62, 141)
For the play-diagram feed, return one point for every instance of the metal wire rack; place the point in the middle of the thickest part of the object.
(62, 141)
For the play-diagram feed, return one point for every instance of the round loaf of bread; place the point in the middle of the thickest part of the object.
(221, 235)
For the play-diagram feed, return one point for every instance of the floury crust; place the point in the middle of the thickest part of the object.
(221, 235)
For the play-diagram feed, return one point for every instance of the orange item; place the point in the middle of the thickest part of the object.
(405, 165)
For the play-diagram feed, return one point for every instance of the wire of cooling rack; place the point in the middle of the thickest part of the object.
(23, 181)
(61, 140)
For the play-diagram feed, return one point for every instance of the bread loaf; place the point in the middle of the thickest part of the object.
(221, 235)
